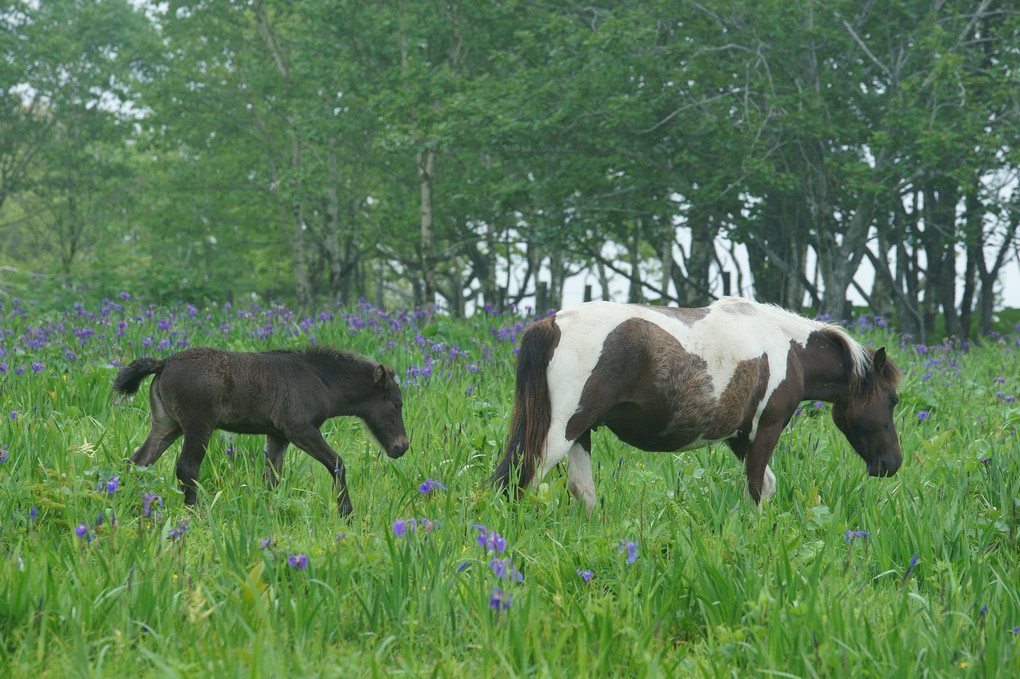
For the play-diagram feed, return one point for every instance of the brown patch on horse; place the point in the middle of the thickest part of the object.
(654, 394)
(532, 415)
(875, 374)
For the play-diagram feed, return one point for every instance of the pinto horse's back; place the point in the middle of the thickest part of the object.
(530, 422)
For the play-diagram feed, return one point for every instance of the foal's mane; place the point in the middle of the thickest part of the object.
(332, 357)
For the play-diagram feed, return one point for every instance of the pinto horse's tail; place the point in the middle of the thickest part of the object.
(532, 416)
(129, 378)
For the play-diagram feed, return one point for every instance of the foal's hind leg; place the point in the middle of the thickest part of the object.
(196, 441)
(275, 448)
(163, 432)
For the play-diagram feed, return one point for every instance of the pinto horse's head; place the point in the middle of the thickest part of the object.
(383, 413)
(866, 416)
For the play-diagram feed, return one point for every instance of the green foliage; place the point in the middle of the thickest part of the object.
(716, 587)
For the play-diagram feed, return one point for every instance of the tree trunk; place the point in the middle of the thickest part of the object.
(426, 177)
(634, 295)
(302, 284)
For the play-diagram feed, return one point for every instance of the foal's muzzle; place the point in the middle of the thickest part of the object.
(884, 466)
(399, 447)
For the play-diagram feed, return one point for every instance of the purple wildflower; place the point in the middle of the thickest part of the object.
(923, 415)
(82, 531)
(148, 499)
(266, 544)
(504, 568)
(490, 539)
(430, 485)
(400, 526)
(851, 534)
(585, 574)
(34, 514)
(299, 561)
(499, 600)
(631, 548)
(179, 531)
(3, 453)
(500, 567)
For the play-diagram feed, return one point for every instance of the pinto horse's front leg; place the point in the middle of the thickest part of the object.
(581, 484)
(755, 454)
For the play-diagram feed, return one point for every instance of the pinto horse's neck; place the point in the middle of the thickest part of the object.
(826, 368)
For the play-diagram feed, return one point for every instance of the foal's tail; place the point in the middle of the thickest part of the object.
(531, 419)
(130, 377)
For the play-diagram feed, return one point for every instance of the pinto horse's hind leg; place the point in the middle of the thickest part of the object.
(275, 448)
(310, 440)
(581, 485)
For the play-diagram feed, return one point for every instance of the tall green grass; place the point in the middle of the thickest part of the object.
(717, 587)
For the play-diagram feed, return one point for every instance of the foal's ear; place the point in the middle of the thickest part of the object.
(879, 360)
(380, 376)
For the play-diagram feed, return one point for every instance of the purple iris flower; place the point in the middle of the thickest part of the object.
(490, 539)
(430, 485)
(631, 548)
(499, 600)
(585, 574)
(298, 561)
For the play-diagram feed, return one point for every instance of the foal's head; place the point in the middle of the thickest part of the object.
(383, 412)
(865, 416)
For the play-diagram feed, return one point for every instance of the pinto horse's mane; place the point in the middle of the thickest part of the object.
(865, 380)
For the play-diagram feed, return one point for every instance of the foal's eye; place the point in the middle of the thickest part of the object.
(894, 400)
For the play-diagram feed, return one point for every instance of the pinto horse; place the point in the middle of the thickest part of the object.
(285, 395)
(670, 379)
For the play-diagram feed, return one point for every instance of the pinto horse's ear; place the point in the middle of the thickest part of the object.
(879, 360)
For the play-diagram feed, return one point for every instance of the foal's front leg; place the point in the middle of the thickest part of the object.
(311, 441)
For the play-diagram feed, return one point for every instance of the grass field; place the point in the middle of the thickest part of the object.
(104, 572)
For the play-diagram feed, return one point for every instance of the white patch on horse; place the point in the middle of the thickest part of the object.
(581, 484)
(732, 331)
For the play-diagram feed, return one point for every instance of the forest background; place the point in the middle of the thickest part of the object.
(478, 153)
